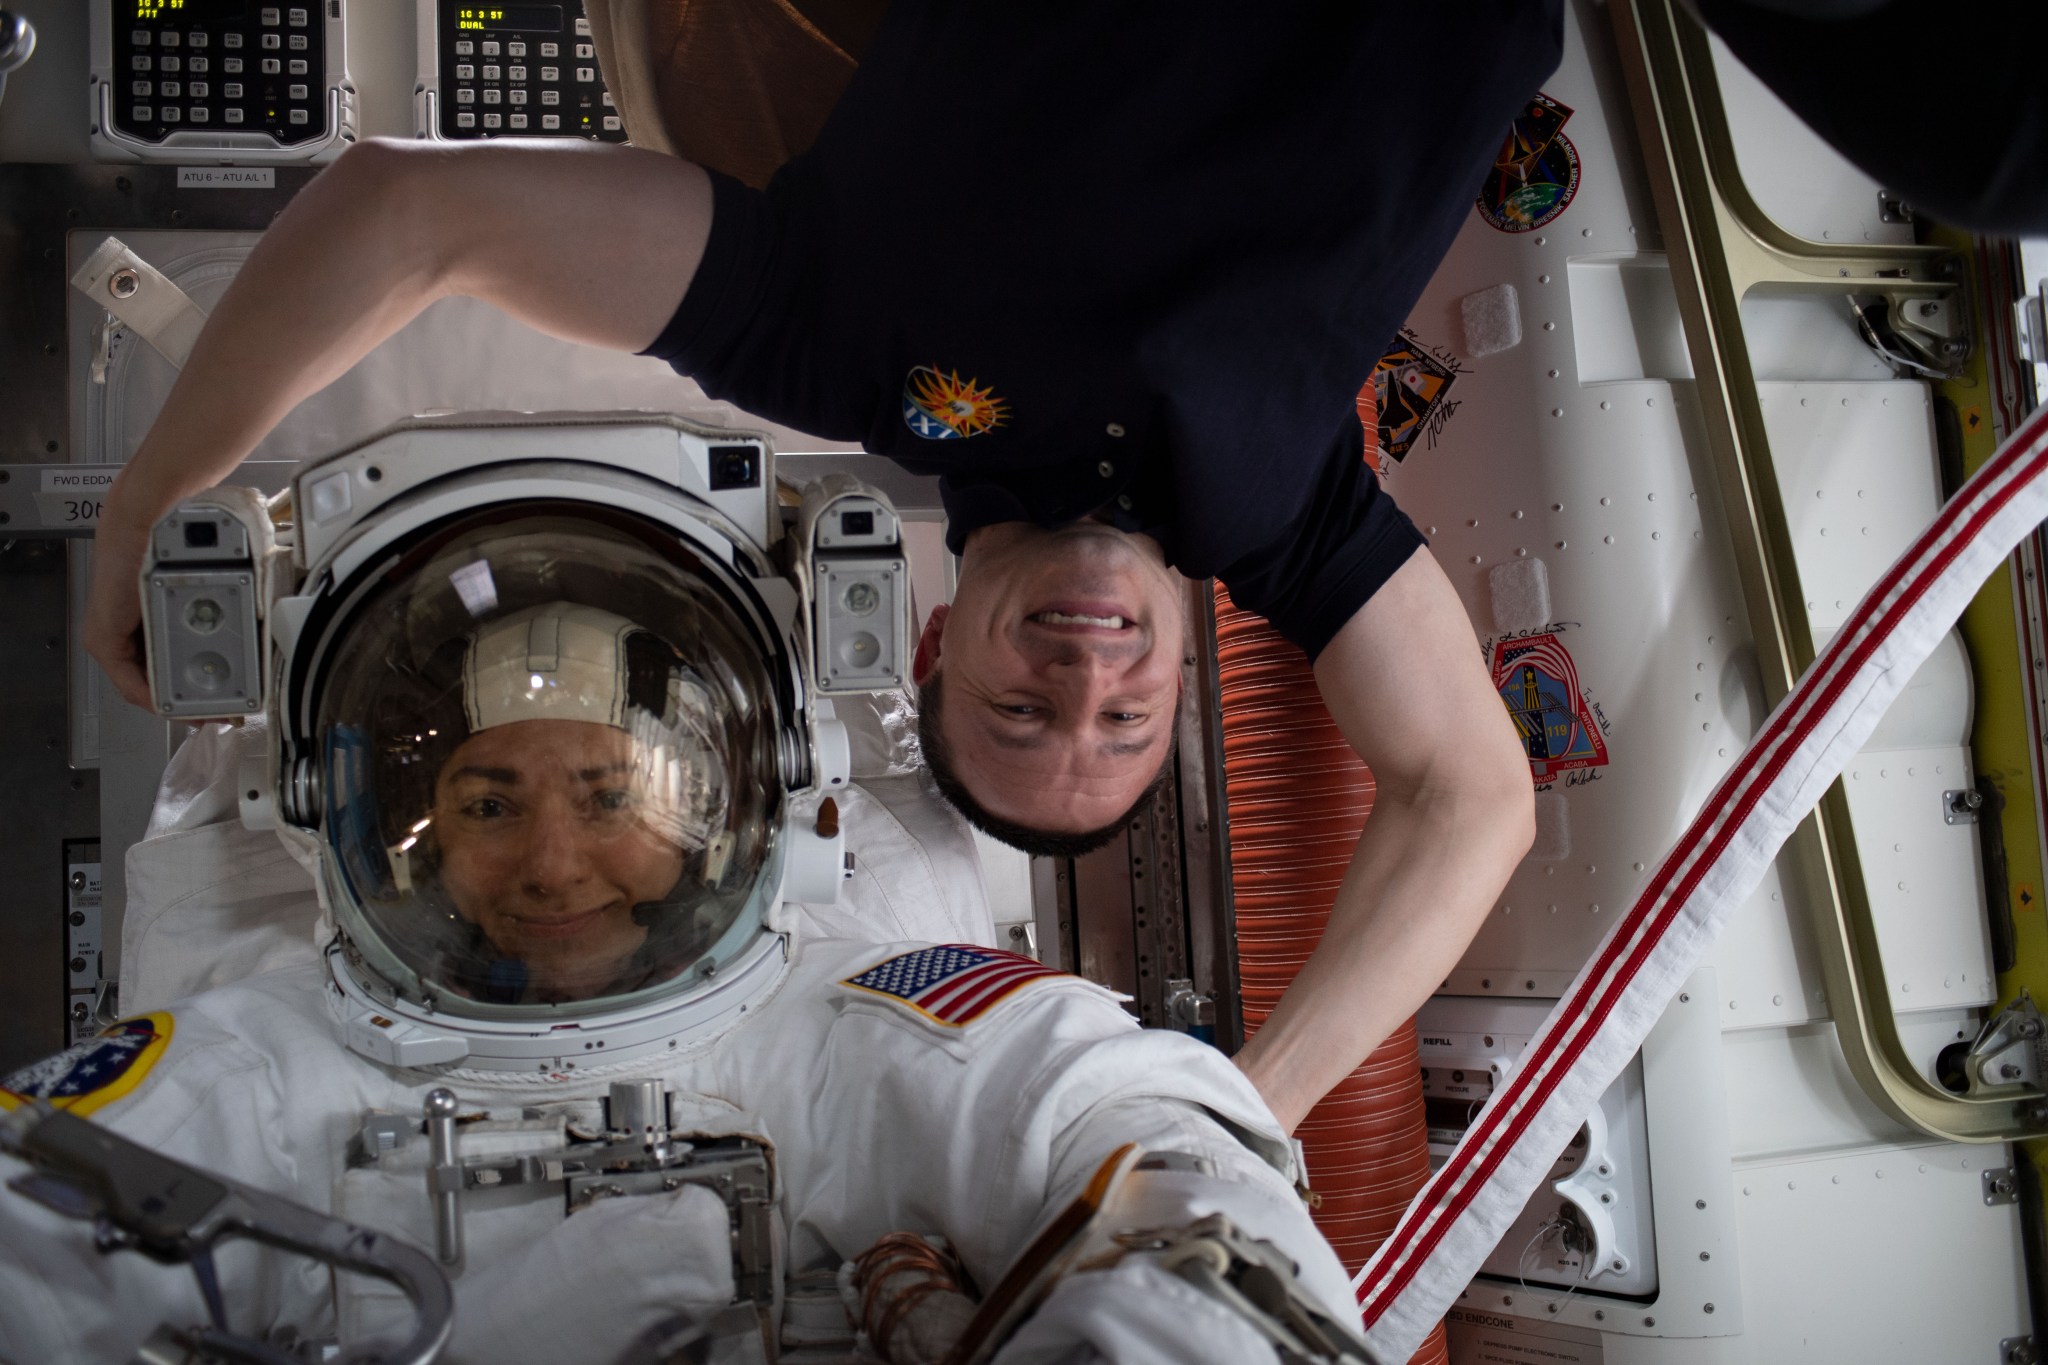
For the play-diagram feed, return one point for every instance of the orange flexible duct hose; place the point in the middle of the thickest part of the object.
(1297, 797)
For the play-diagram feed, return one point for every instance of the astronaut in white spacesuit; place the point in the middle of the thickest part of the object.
(552, 826)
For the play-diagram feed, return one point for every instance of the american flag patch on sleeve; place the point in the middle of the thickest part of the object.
(953, 983)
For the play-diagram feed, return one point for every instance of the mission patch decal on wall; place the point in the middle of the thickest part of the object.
(1412, 386)
(1539, 684)
(1536, 172)
(941, 406)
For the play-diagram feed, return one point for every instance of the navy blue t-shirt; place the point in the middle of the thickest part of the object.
(1137, 259)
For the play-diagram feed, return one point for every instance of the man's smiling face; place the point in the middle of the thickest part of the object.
(1060, 656)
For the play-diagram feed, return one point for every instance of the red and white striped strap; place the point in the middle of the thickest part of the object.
(1467, 1206)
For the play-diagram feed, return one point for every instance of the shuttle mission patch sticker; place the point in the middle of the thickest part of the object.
(1412, 386)
(952, 984)
(95, 1072)
(1536, 172)
(1537, 680)
(941, 406)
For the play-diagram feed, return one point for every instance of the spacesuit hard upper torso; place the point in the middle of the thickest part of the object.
(879, 1117)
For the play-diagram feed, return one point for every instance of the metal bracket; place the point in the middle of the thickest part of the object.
(2000, 1187)
(637, 1155)
(1961, 805)
(2018, 1351)
(1917, 336)
(1187, 1008)
(2018, 1025)
(2033, 328)
(139, 1199)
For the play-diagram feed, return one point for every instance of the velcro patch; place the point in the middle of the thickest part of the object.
(96, 1072)
(953, 983)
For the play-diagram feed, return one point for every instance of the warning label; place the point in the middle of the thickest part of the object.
(1497, 1339)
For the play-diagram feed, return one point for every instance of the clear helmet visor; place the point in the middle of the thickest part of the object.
(550, 771)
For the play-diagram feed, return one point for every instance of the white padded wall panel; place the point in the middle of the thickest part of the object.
(1856, 470)
(1594, 480)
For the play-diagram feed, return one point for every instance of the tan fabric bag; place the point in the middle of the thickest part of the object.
(739, 86)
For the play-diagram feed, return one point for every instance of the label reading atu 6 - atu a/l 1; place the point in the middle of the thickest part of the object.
(226, 178)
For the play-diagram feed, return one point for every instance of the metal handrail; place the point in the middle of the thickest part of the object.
(1721, 245)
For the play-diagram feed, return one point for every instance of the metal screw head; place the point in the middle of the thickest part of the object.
(78, 881)
(1929, 309)
(123, 284)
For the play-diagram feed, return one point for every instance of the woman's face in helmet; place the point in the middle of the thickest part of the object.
(550, 833)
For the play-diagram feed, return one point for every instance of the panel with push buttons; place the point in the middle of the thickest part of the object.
(521, 70)
(220, 81)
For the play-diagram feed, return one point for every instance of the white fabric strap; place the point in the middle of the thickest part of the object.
(1468, 1205)
(145, 301)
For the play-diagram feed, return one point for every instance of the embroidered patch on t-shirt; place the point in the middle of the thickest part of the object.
(941, 406)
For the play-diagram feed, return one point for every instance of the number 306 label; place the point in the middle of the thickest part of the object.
(70, 499)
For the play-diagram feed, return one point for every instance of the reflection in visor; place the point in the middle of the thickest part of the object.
(550, 769)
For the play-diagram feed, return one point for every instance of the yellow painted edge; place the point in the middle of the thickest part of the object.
(2001, 746)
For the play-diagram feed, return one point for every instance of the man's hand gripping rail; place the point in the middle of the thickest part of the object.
(143, 1201)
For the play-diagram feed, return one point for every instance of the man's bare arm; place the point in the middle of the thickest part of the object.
(590, 243)
(1453, 815)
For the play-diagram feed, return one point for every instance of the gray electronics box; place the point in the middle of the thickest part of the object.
(200, 614)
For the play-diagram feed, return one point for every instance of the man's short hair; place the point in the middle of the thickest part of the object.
(1043, 843)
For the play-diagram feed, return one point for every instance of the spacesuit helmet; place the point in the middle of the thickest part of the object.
(547, 750)
(550, 716)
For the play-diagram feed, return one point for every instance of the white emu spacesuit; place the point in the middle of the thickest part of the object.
(554, 807)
